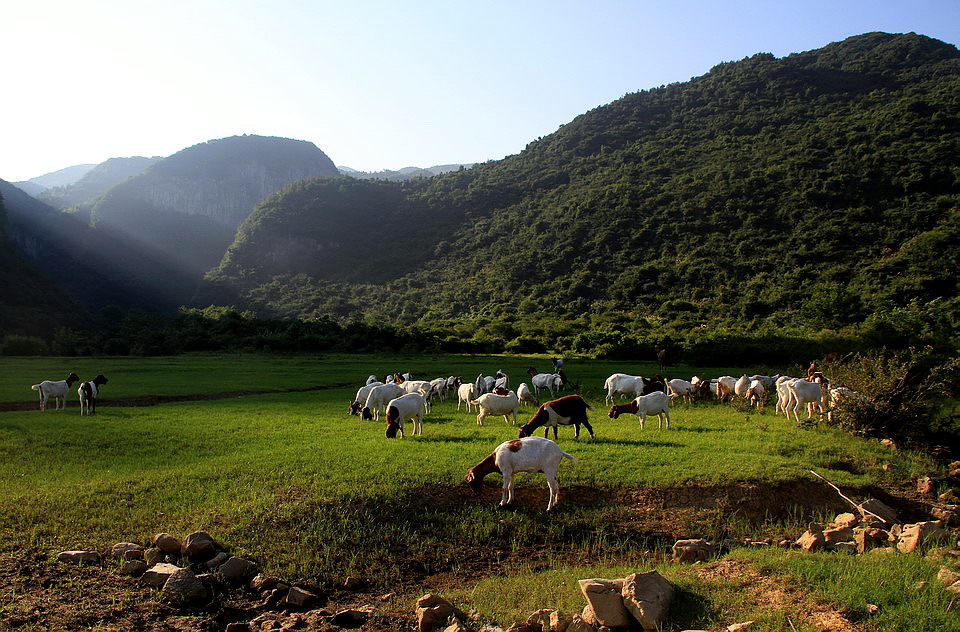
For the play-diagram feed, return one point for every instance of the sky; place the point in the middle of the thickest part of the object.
(375, 84)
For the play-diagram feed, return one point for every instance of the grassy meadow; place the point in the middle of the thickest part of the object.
(285, 476)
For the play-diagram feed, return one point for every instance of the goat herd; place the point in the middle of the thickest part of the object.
(403, 399)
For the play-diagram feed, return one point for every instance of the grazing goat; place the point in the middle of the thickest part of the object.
(742, 386)
(566, 411)
(411, 406)
(466, 393)
(657, 403)
(756, 394)
(552, 382)
(494, 404)
(377, 398)
(841, 396)
(682, 389)
(361, 397)
(525, 396)
(88, 393)
(57, 390)
(529, 454)
(634, 385)
(371, 379)
(726, 387)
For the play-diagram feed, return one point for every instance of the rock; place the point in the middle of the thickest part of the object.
(948, 576)
(558, 622)
(867, 538)
(846, 520)
(167, 543)
(199, 546)
(954, 469)
(353, 584)
(737, 627)
(238, 627)
(874, 509)
(261, 582)
(237, 569)
(351, 618)
(157, 575)
(133, 554)
(119, 551)
(605, 601)
(78, 557)
(950, 497)
(698, 550)
(540, 620)
(153, 556)
(920, 533)
(577, 624)
(434, 612)
(836, 536)
(647, 597)
(299, 597)
(925, 486)
(846, 547)
(812, 539)
(134, 568)
(872, 608)
(889, 467)
(457, 626)
(890, 443)
(217, 560)
(184, 587)
(945, 515)
(273, 597)
(518, 627)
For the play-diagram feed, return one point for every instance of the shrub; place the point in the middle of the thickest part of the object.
(16, 345)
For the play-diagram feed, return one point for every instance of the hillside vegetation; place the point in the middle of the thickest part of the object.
(818, 190)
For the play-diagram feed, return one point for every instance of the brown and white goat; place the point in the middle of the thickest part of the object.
(565, 411)
(656, 403)
(529, 454)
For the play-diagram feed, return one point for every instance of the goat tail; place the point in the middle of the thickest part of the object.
(572, 458)
(35, 387)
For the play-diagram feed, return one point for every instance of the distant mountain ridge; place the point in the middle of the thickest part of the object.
(405, 173)
(96, 181)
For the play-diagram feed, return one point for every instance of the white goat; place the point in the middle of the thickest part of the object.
(756, 393)
(742, 386)
(524, 395)
(371, 379)
(841, 396)
(377, 398)
(622, 384)
(530, 454)
(726, 387)
(492, 404)
(57, 390)
(805, 393)
(412, 407)
(466, 393)
(682, 389)
(361, 397)
(549, 381)
(655, 403)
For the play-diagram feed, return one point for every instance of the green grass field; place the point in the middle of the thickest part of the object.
(314, 494)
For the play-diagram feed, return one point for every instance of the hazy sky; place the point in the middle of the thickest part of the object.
(375, 85)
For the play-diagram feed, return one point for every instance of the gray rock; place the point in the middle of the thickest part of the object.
(184, 587)
(199, 546)
(157, 575)
(605, 601)
(217, 560)
(299, 597)
(695, 550)
(435, 612)
(917, 534)
(78, 557)
(647, 596)
(167, 543)
(350, 618)
(120, 550)
(237, 569)
(134, 568)
(153, 556)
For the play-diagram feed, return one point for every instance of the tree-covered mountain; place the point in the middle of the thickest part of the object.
(406, 173)
(59, 178)
(96, 181)
(817, 189)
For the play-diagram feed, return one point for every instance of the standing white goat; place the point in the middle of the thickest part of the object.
(57, 390)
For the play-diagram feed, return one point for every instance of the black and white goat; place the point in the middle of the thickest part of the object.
(88, 393)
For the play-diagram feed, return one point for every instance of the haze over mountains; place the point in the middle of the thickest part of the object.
(820, 188)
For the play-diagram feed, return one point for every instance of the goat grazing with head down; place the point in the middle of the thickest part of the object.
(57, 390)
(529, 454)
(656, 403)
(565, 411)
(412, 407)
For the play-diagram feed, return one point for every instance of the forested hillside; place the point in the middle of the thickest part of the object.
(96, 181)
(819, 190)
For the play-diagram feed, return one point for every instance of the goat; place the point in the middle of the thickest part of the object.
(371, 379)
(656, 403)
(466, 393)
(57, 390)
(529, 454)
(361, 397)
(783, 393)
(411, 406)
(756, 393)
(841, 396)
(493, 404)
(726, 387)
(634, 385)
(682, 389)
(501, 381)
(552, 382)
(524, 394)
(88, 393)
(566, 411)
(810, 393)
(742, 386)
(377, 398)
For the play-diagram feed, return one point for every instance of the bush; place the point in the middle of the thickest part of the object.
(16, 345)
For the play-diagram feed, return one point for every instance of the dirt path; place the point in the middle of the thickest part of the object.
(155, 400)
